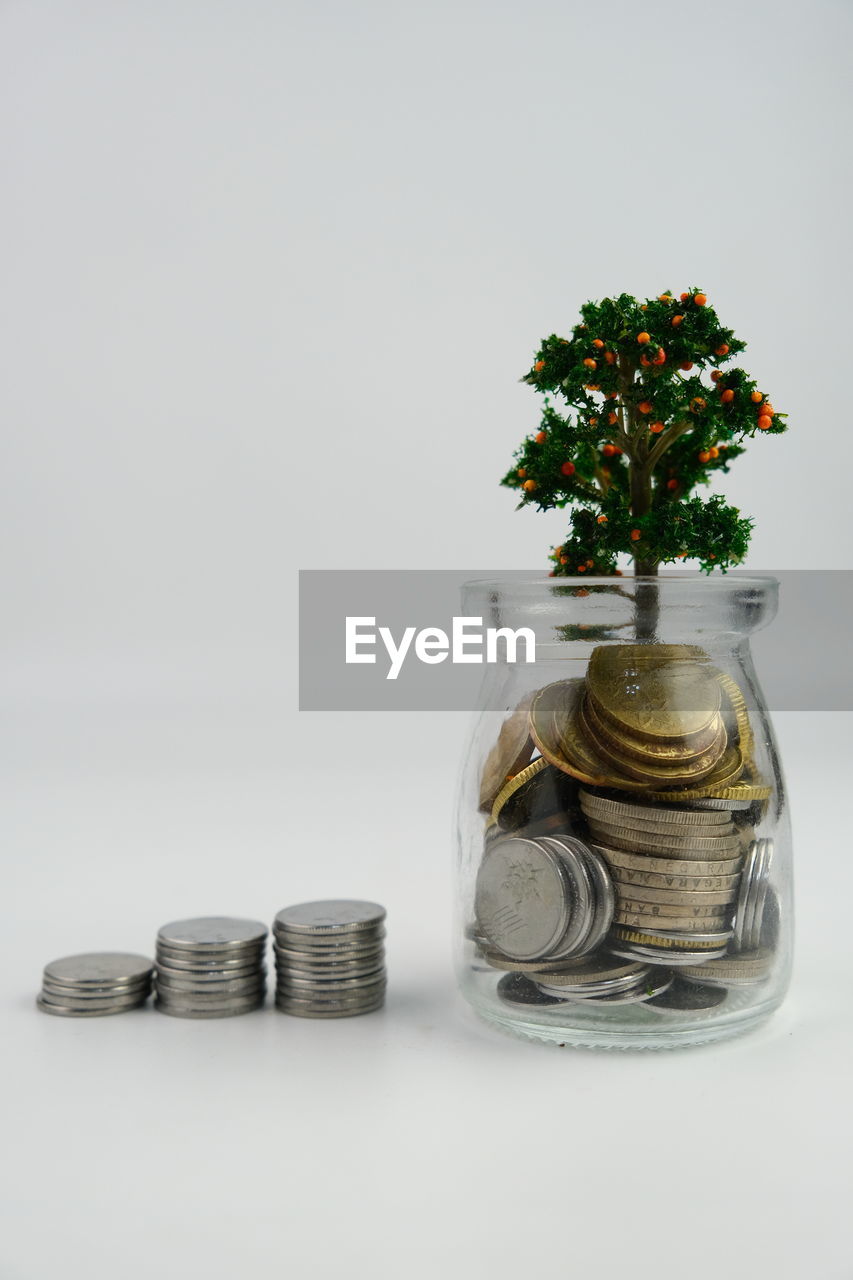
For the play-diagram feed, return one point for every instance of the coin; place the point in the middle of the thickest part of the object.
(297, 1011)
(618, 858)
(536, 794)
(99, 968)
(593, 969)
(681, 924)
(337, 916)
(663, 910)
(85, 1010)
(212, 933)
(336, 970)
(206, 1011)
(673, 939)
(640, 893)
(713, 738)
(683, 997)
(738, 795)
(523, 899)
(625, 812)
(654, 695)
(515, 989)
(664, 771)
(510, 753)
(203, 962)
(653, 984)
(722, 846)
(732, 971)
(62, 992)
(661, 880)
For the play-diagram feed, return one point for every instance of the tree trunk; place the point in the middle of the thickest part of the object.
(646, 601)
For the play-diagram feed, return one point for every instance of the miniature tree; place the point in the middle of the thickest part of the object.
(646, 429)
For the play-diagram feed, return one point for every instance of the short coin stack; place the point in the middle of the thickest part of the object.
(330, 958)
(596, 980)
(210, 967)
(95, 984)
(677, 874)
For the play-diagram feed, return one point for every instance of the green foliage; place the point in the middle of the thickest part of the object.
(652, 415)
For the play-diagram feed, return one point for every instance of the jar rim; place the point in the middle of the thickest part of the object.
(515, 580)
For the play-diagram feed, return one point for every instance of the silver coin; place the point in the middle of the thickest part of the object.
(201, 977)
(192, 962)
(674, 957)
(647, 813)
(351, 970)
(683, 997)
(630, 982)
(182, 1011)
(676, 847)
(329, 1013)
(640, 922)
(762, 890)
(204, 999)
(659, 981)
(592, 969)
(62, 994)
(212, 933)
(345, 995)
(604, 895)
(72, 1000)
(88, 1009)
(523, 897)
(212, 990)
(517, 990)
(680, 883)
(713, 803)
(99, 968)
(300, 986)
(744, 900)
(618, 858)
(581, 923)
(326, 955)
(337, 915)
(341, 1008)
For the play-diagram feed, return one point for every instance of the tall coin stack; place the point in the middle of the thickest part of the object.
(330, 958)
(95, 984)
(210, 967)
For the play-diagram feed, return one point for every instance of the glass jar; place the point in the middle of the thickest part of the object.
(624, 853)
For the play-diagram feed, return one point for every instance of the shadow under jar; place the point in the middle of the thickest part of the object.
(624, 854)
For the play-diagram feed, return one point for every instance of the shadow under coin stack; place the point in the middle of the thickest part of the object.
(210, 967)
(95, 984)
(330, 959)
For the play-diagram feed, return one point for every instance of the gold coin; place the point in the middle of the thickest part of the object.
(665, 880)
(513, 784)
(737, 705)
(624, 743)
(654, 695)
(654, 768)
(653, 940)
(736, 790)
(510, 753)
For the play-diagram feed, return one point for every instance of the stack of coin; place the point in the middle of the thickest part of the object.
(603, 985)
(210, 967)
(752, 899)
(95, 984)
(544, 897)
(330, 959)
(676, 873)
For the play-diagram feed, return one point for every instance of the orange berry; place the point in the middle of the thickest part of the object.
(699, 299)
(714, 451)
(645, 406)
(672, 484)
(684, 297)
(756, 396)
(581, 568)
(612, 419)
(697, 404)
(686, 365)
(568, 468)
(609, 357)
(644, 307)
(636, 535)
(529, 486)
(676, 320)
(681, 555)
(764, 422)
(727, 397)
(596, 342)
(716, 375)
(590, 563)
(660, 358)
(611, 395)
(767, 410)
(643, 338)
(564, 559)
(590, 363)
(664, 297)
(722, 349)
(539, 366)
(522, 472)
(593, 422)
(601, 520)
(645, 361)
(609, 450)
(704, 456)
(541, 437)
(657, 427)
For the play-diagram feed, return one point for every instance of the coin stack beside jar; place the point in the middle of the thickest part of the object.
(330, 958)
(95, 984)
(210, 967)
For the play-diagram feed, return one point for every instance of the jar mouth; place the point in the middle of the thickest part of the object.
(675, 580)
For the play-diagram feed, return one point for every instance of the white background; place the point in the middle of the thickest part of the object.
(271, 274)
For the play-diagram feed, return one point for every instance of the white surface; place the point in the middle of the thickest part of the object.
(414, 1142)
